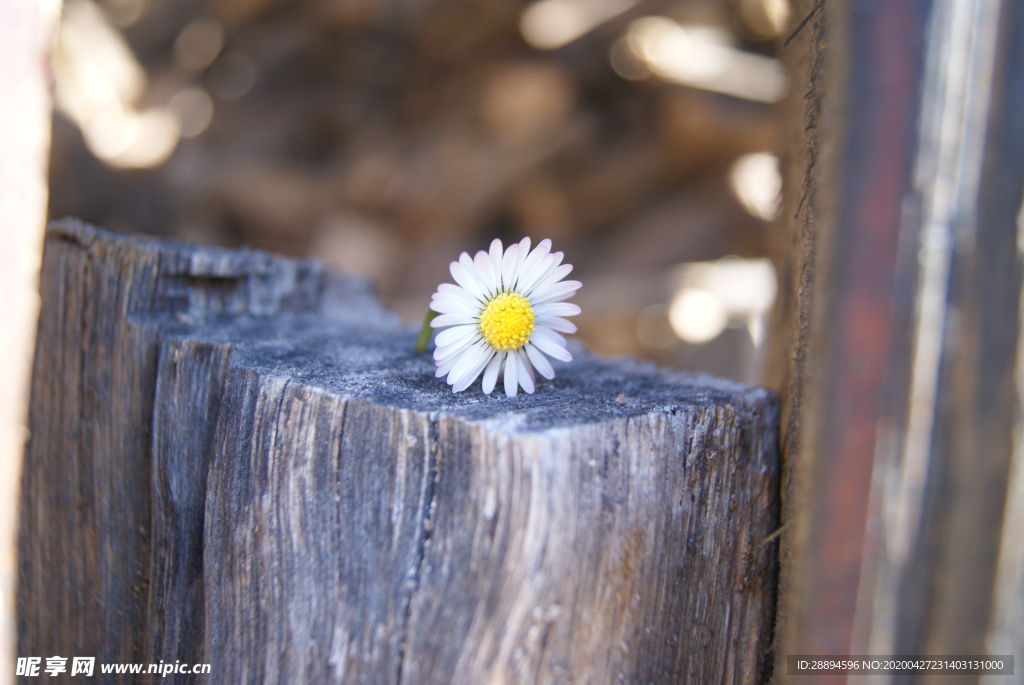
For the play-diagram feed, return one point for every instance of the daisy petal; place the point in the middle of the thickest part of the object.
(454, 292)
(553, 276)
(528, 365)
(443, 354)
(491, 372)
(484, 272)
(443, 368)
(523, 374)
(452, 320)
(540, 362)
(549, 347)
(548, 334)
(532, 273)
(482, 359)
(496, 255)
(557, 298)
(508, 266)
(463, 278)
(444, 305)
(453, 335)
(551, 266)
(555, 323)
(533, 265)
(511, 382)
(452, 289)
(543, 248)
(470, 266)
(459, 296)
(555, 293)
(468, 361)
(556, 309)
(524, 252)
(461, 373)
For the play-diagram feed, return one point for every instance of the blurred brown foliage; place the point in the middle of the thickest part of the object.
(387, 137)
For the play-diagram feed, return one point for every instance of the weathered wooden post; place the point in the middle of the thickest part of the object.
(238, 459)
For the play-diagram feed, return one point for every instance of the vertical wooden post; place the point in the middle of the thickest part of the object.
(240, 459)
(905, 431)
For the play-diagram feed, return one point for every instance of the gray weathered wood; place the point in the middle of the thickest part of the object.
(239, 459)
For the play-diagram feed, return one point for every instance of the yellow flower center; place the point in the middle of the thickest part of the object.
(507, 321)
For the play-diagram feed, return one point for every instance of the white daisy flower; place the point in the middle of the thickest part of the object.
(503, 317)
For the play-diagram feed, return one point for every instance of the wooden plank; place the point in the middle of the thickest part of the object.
(861, 119)
(319, 508)
(905, 441)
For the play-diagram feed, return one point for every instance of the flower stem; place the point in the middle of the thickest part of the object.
(424, 339)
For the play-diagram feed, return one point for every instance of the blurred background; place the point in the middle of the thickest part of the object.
(386, 137)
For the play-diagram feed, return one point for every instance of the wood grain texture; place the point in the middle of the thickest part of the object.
(790, 344)
(188, 386)
(278, 485)
(902, 536)
(86, 518)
